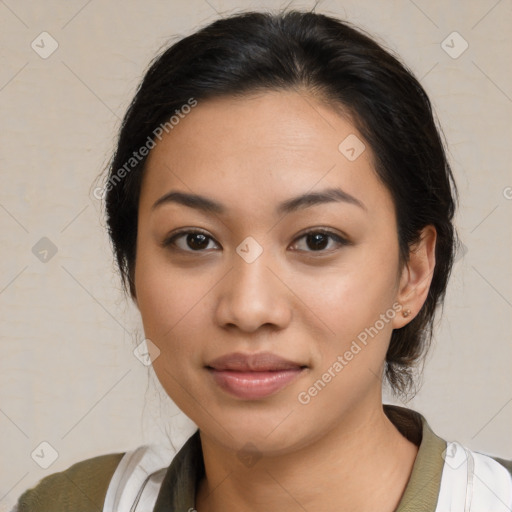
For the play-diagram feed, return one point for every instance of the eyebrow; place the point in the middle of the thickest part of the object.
(307, 200)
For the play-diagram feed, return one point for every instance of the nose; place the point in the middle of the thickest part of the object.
(253, 295)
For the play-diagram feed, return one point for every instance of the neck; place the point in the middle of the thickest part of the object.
(364, 464)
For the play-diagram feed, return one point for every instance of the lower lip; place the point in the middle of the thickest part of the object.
(254, 385)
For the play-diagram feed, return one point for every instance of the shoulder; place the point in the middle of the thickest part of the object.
(449, 473)
(484, 480)
(80, 488)
(457, 455)
(506, 463)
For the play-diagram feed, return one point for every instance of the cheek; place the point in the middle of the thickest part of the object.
(351, 355)
(170, 304)
(164, 295)
(173, 304)
(349, 298)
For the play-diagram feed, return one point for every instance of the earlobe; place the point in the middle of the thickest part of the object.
(417, 276)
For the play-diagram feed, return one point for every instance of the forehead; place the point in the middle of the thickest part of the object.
(265, 147)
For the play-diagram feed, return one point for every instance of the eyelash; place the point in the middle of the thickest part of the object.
(170, 241)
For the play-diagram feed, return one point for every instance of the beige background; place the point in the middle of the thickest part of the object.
(68, 375)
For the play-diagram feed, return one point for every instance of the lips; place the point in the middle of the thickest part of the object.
(253, 376)
(261, 362)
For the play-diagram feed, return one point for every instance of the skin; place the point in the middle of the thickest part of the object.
(339, 451)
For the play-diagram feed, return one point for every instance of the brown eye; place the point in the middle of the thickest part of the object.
(190, 241)
(318, 241)
(196, 241)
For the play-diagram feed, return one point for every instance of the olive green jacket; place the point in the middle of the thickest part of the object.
(83, 486)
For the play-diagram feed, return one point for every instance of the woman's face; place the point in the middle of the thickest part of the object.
(255, 282)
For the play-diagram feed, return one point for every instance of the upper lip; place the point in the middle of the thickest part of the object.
(263, 361)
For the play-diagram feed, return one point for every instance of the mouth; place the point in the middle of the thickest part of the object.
(254, 376)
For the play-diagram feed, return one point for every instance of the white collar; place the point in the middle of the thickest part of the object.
(470, 481)
(473, 482)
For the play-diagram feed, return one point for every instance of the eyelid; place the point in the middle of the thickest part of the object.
(326, 230)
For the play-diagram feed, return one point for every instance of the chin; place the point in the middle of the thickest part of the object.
(269, 432)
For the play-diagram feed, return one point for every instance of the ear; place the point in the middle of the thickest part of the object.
(416, 276)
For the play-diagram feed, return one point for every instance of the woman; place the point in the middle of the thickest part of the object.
(280, 207)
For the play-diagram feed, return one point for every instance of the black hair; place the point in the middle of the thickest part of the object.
(292, 50)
